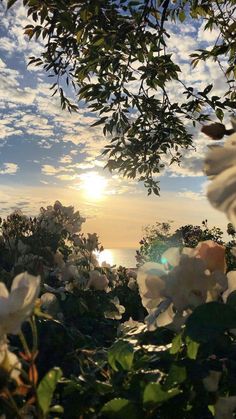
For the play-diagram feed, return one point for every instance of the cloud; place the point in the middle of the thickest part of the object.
(66, 177)
(207, 36)
(49, 170)
(9, 169)
(191, 195)
(66, 159)
(13, 21)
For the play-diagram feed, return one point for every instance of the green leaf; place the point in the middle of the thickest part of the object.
(211, 407)
(219, 114)
(176, 344)
(192, 348)
(100, 121)
(208, 89)
(154, 394)
(182, 16)
(10, 3)
(176, 375)
(103, 388)
(47, 387)
(121, 353)
(210, 320)
(79, 35)
(119, 409)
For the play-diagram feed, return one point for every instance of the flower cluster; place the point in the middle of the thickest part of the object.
(57, 218)
(184, 280)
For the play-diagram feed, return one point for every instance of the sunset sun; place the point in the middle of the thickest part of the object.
(94, 185)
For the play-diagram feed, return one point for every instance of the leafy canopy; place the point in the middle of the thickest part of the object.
(116, 57)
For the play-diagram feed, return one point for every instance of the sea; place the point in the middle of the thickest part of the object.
(118, 257)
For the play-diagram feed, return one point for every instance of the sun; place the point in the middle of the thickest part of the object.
(94, 185)
(105, 256)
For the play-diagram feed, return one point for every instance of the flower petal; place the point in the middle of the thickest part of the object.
(151, 284)
(172, 256)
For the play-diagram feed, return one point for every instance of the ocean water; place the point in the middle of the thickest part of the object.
(123, 257)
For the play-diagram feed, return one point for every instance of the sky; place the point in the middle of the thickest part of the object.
(46, 154)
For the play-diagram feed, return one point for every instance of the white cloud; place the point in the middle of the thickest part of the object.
(66, 159)
(49, 170)
(191, 195)
(66, 177)
(9, 169)
(207, 36)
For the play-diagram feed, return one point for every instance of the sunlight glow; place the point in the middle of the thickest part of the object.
(94, 185)
(105, 256)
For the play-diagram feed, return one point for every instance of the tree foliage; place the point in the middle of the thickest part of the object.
(116, 57)
(160, 237)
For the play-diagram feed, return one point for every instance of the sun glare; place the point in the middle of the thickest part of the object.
(94, 186)
(105, 256)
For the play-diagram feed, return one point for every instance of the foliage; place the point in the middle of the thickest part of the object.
(160, 237)
(116, 57)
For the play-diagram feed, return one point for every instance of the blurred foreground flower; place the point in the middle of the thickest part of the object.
(17, 305)
(220, 166)
(168, 295)
(212, 253)
(224, 407)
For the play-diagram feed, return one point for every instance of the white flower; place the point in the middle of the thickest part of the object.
(151, 284)
(70, 272)
(211, 382)
(189, 284)
(92, 242)
(171, 256)
(220, 164)
(18, 305)
(56, 218)
(225, 407)
(49, 303)
(97, 281)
